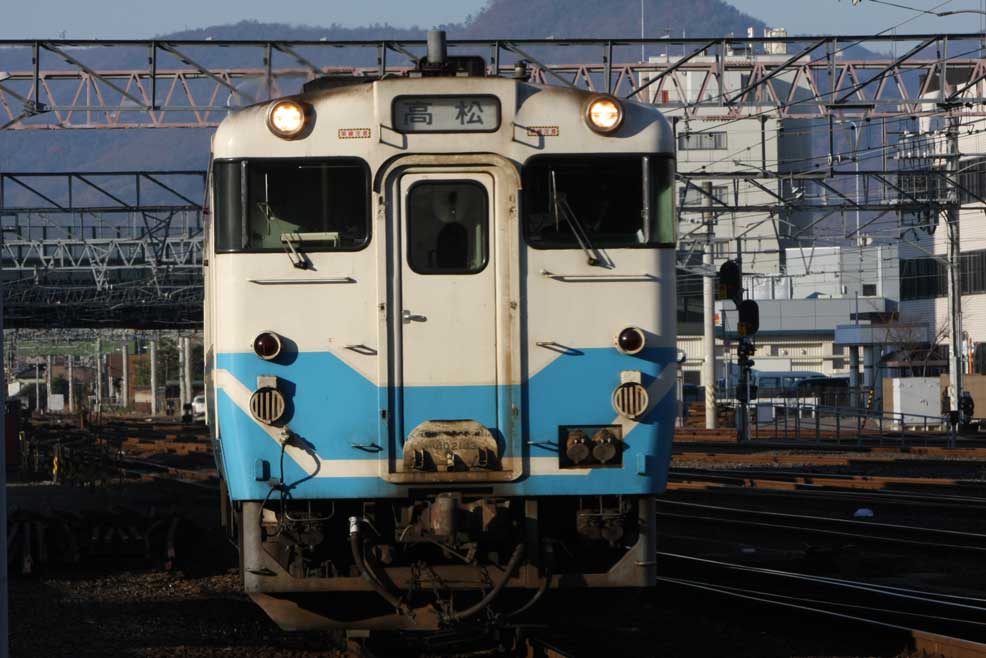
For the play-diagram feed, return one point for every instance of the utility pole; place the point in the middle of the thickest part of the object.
(954, 266)
(708, 317)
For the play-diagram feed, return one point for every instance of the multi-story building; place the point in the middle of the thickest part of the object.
(805, 292)
(924, 247)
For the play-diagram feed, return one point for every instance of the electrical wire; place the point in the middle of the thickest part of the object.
(833, 54)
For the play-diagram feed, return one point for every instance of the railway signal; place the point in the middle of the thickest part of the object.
(747, 325)
(749, 318)
(730, 281)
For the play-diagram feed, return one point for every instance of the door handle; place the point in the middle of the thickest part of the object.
(409, 317)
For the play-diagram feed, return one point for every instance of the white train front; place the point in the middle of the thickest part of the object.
(440, 328)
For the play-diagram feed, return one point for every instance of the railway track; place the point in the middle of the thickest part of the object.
(949, 625)
(918, 489)
(141, 451)
(889, 537)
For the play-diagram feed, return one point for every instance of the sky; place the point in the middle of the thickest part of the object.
(145, 18)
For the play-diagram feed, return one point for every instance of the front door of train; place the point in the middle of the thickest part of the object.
(445, 359)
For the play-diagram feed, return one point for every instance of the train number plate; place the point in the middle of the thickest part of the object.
(446, 114)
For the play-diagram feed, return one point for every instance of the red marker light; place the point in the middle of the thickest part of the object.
(267, 345)
(631, 340)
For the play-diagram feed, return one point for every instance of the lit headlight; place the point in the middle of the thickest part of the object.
(604, 114)
(286, 118)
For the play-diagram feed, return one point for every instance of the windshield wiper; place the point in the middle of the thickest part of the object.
(297, 258)
(561, 208)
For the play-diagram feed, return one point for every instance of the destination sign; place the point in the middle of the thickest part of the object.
(446, 114)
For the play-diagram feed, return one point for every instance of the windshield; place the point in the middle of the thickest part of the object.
(320, 204)
(605, 195)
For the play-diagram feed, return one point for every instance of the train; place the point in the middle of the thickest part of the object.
(440, 351)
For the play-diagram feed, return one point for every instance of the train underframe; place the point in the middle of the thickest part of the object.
(437, 558)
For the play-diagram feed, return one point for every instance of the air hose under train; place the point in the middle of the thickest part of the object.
(493, 593)
(355, 544)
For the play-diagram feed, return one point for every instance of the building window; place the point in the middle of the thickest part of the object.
(869, 290)
(690, 303)
(972, 180)
(922, 185)
(694, 195)
(702, 141)
(927, 278)
(923, 278)
(973, 271)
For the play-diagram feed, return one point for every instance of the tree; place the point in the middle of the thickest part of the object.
(142, 370)
(59, 386)
(167, 355)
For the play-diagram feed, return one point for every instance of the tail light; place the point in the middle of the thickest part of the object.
(631, 340)
(267, 345)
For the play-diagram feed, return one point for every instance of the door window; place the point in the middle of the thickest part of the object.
(447, 227)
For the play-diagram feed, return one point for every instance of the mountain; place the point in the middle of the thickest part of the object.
(188, 148)
(534, 19)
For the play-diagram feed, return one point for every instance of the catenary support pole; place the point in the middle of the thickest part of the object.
(48, 378)
(71, 384)
(708, 318)
(125, 370)
(854, 374)
(187, 369)
(180, 344)
(3, 502)
(99, 373)
(153, 367)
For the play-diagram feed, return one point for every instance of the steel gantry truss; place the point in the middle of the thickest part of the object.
(102, 249)
(125, 249)
(162, 83)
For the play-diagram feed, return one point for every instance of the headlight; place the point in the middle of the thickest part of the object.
(286, 118)
(604, 114)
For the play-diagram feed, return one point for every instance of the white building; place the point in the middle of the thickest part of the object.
(924, 268)
(804, 292)
(762, 142)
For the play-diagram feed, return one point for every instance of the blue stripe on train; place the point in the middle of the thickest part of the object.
(335, 407)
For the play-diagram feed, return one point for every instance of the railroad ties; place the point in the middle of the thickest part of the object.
(108, 493)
